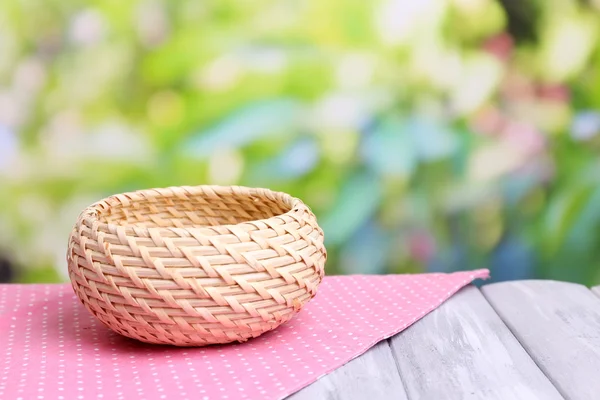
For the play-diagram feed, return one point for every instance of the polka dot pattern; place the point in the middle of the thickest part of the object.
(52, 348)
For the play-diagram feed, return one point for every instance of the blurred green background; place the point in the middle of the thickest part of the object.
(431, 135)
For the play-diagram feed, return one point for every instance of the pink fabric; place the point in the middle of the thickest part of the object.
(52, 348)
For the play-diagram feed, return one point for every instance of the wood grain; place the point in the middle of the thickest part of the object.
(559, 325)
(463, 350)
(371, 376)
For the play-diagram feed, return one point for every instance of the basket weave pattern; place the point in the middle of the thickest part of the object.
(192, 266)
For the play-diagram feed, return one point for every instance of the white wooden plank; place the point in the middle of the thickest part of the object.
(371, 376)
(463, 350)
(559, 325)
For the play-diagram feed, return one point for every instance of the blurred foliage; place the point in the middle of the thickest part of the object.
(430, 135)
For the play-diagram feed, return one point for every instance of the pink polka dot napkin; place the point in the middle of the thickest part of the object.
(52, 348)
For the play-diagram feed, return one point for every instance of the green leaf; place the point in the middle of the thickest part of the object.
(358, 200)
(562, 214)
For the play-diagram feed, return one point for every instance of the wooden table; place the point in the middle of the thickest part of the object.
(514, 340)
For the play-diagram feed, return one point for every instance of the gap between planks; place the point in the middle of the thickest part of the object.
(464, 350)
(372, 375)
(460, 350)
(558, 323)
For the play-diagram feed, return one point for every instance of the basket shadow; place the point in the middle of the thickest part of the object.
(66, 321)
(72, 324)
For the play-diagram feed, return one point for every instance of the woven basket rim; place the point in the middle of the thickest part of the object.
(92, 212)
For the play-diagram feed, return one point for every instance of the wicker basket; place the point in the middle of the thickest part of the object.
(193, 266)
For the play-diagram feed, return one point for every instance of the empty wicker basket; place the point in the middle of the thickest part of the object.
(193, 266)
